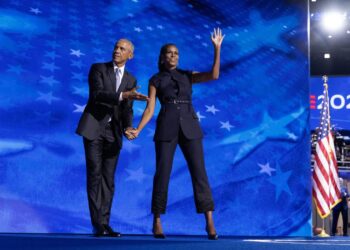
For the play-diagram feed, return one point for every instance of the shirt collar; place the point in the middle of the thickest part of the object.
(122, 68)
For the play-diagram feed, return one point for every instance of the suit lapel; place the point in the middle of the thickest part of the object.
(124, 82)
(111, 74)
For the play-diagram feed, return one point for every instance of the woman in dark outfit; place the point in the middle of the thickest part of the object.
(177, 124)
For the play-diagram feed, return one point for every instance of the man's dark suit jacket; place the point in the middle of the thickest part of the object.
(104, 103)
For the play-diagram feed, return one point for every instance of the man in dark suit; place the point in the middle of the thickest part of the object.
(341, 208)
(107, 116)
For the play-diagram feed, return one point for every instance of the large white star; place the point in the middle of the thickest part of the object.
(267, 129)
(265, 168)
(226, 125)
(211, 109)
(76, 53)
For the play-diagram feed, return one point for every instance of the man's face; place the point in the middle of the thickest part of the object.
(122, 52)
(171, 57)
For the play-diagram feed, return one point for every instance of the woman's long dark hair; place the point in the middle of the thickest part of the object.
(162, 52)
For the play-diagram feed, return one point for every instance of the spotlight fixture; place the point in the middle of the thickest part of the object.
(333, 21)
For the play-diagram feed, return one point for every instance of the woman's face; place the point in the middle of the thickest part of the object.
(171, 57)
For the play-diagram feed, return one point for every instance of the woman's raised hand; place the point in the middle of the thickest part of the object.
(217, 37)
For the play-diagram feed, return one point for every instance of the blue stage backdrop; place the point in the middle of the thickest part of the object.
(255, 117)
(339, 97)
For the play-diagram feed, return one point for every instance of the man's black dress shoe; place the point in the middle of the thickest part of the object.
(100, 231)
(110, 232)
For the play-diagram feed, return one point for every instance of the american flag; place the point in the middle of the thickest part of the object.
(326, 188)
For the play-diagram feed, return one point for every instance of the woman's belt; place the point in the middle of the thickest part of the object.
(177, 101)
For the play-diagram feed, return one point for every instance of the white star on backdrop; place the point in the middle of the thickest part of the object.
(211, 109)
(78, 108)
(17, 69)
(265, 168)
(76, 53)
(48, 97)
(292, 136)
(226, 125)
(49, 80)
(200, 116)
(36, 11)
(136, 175)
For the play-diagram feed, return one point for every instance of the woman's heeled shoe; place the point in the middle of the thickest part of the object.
(158, 236)
(211, 236)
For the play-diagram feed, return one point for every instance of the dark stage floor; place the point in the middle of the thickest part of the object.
(60, 241)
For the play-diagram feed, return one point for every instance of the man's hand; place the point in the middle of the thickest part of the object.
(134, 95)
(128, 133)
(135, 132)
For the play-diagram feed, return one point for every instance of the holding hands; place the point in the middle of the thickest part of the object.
(217, 37)
(132, 133)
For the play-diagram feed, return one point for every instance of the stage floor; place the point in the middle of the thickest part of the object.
(82, 242)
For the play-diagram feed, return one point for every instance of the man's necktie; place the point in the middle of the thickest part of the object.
(118, 76)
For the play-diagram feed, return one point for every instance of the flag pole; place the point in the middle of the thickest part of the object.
(325, 85)
(323, 233)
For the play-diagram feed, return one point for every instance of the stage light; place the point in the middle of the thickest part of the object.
(327, 56)
(333, 21)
